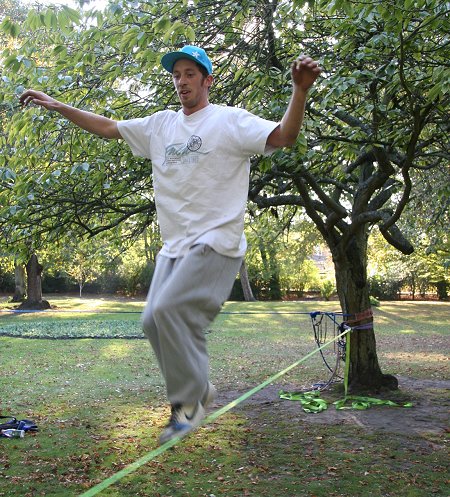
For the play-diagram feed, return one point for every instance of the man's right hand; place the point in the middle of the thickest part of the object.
(93, 123)
(38, 98)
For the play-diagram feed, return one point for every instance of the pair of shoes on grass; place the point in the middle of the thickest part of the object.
(184, 417)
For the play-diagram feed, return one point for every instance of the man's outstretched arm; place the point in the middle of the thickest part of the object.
(98, 125)
(304, 72)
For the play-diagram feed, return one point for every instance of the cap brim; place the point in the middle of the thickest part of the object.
(169, 59)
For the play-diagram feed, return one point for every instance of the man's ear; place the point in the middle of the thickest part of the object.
(209, 80)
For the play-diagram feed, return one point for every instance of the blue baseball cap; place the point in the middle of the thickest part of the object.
(190, 52)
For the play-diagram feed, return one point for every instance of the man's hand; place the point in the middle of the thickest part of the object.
(304, 72)
(38, 98)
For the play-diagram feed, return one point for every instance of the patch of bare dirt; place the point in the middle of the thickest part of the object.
(428, 416)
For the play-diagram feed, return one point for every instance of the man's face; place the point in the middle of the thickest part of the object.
(191, 85)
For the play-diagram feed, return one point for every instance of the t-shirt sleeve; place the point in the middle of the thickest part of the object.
(252, 133)
(138, 134)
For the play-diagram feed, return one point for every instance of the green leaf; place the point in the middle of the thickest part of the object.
(435, 92)
(10, 28)
(71, 14)
(238, 73)
(60, 49)
(12, 63)
(50, 19)
(176, 28)
(89, 58)
(163, 24)
(302, 144)
(190, 34)
(299, 4)
(116, 9)
(33, 20)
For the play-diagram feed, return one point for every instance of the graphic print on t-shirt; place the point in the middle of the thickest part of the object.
(184, 154)
(194, 143)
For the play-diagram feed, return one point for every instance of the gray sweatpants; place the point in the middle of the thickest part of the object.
(185, 295)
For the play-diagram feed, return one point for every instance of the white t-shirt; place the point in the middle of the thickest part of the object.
(201, 166)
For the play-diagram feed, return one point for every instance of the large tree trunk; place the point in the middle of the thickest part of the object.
(245, 282)
(19, 283)
(268, 257)
(351, 281)
(34, 286)
(442, 290)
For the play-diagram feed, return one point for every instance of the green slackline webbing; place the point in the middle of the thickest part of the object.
(212, 417)
(312, 403)
(360, 402)
(347, 364)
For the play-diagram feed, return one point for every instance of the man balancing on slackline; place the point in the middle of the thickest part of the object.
(201, 160)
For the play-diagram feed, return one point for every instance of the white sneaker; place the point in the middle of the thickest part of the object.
(210, 395)
(183, 419)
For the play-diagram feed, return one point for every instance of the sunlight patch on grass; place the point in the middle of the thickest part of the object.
(116, 350)
(408, 331)
(417, 356)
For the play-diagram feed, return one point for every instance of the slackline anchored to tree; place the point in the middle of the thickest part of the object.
(309, 400)
(209, 419)
(312, 403)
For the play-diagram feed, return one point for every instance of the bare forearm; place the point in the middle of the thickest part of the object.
(285, 134)
(94, 123)
(293, 117)
(98, 125)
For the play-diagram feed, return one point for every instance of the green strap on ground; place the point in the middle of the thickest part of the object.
(310, 401)
(361, 403)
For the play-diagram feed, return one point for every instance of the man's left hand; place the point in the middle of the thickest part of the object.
(304, 72)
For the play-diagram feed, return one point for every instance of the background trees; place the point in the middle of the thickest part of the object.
(376, 127)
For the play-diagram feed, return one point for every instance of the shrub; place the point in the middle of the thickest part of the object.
(327, 289)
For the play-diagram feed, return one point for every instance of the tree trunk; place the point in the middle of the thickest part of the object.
(442, 290)
(34, 286)
(245, 282)
(268, 257)
(19, 282)
(353, 290)
(275, 286)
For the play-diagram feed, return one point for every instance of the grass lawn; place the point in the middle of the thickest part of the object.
(100, 405)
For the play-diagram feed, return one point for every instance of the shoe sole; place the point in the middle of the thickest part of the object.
(164, 438)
